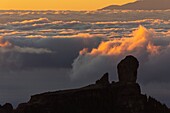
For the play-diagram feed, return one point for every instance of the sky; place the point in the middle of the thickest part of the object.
(58, 4)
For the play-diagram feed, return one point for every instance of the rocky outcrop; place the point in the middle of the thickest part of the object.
(6, 108)
(102, 97)
(127, 69)
(104, 80)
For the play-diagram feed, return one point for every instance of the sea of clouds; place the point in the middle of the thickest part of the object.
(52, 50)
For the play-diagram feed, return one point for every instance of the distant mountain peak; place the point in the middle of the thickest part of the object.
(142, 5)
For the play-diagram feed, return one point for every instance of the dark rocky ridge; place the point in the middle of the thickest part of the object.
(102, 97)
(142, 5)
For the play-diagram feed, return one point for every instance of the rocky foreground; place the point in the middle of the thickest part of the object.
(123, 96)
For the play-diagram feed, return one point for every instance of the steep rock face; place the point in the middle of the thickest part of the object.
(102, 97)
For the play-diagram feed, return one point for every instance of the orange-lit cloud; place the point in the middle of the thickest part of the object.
(33, 21)
(4, 43)
(141, 38)
(143, 43)
(153, 49)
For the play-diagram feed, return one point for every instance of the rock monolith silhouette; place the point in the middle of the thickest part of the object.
(127, 69)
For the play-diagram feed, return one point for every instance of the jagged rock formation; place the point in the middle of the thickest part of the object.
(102, 97)
(142, 5)
(6, 108)
(104, 80)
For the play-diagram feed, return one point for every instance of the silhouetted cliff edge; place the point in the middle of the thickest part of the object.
(123, 96)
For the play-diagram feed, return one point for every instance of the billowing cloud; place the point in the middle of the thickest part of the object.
(31, 53)
(11, 54)
(6, 46)
(140, 44)
(151, 50)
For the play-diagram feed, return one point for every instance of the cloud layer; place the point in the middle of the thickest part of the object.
(51, 50)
